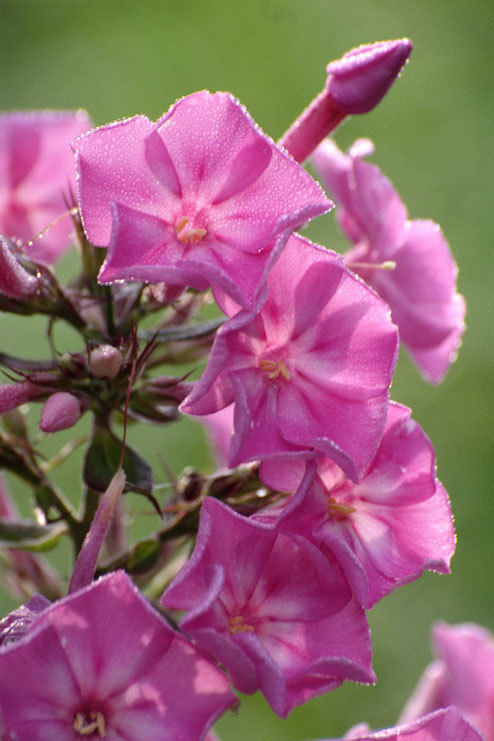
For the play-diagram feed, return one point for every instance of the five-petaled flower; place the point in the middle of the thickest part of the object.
(310, 372)
(203, 197)
(385, 530)
(102, 663)
(279, 617)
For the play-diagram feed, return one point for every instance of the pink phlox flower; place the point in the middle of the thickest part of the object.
(280, 618)
(15, 281)
(102, 663)
(421, 287)
(443, 725)
(385, 530)
(361, 78)
(309, 373)
(462, 675)
(36, 173)
(60, 411)
(203, 197)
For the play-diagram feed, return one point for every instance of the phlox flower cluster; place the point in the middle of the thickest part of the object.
(331, 498)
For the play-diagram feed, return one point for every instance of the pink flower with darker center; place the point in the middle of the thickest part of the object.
(279, 617)
(420, 287)
(103, 664)
(385, 530)
(309, 373)
(36, 172)
(203, 197)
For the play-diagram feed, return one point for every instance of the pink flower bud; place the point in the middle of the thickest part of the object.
(356, 83)
(105, 361)
(362, 77)
(13, 395)
(15, 282)
(59, 412)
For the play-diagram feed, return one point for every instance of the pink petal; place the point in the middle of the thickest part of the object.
(443, 725)
(421, 291)
(247, 166)
(109, 163)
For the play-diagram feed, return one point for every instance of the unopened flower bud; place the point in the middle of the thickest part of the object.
(356, 83)
(15, 281)
(363, 76)
(13, 395)
(105, 361)
(60, 411)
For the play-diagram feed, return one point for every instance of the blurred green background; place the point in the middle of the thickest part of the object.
(432, 134)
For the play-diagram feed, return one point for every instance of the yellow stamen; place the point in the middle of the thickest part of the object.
(189, 234)
(87, 725)
(339, 510)
(236, 625)
(274, 368)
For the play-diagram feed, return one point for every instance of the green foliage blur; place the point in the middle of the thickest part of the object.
(432, 135)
